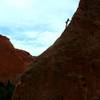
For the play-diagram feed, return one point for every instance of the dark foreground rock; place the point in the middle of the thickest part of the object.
(70, 69)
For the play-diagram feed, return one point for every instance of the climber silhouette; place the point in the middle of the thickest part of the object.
(67, 22)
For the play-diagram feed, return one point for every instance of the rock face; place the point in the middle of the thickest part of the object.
(25, 57)
(70, 69)
(12, 61)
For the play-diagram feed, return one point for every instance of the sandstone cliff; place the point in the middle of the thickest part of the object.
(13, 62)
(70, 69)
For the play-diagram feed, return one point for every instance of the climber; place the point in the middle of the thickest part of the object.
(67, 22)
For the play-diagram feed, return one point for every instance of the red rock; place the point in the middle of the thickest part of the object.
(13, 62)
(70, 69)
(26, 57)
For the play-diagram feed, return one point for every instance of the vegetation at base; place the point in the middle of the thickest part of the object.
(6, 91)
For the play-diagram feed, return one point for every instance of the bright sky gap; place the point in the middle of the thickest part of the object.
(34, 25)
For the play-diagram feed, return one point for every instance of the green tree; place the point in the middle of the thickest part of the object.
(3, 92)
(9, 88)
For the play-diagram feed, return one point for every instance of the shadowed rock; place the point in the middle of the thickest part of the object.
(69, 69)
(13, 62)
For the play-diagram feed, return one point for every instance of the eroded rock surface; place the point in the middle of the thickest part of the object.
(70, 69)
(13, 62)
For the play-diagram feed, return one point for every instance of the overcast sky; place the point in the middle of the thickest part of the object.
(34, 25)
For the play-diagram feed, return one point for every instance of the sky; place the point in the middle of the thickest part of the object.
(34, 25)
